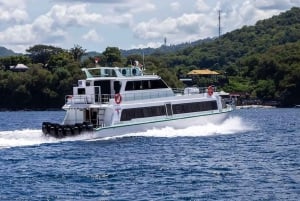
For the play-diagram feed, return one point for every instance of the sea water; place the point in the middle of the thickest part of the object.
(253, 155)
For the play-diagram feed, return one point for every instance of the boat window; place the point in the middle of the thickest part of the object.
(145, 84)
(194, 107)
(134, 71)
(144, 112)
(117, 87)
(105, 89)
(129, 86)
(138, 85)
(135, 113)
(81, 91)
(157, 84)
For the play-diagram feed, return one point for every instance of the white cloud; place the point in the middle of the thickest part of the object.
(50, 27)
(191, 25)
(154, 28)
(43, 24)
(235, 13)
(127, 22)
(139, 7)
(19, 34)
(175, 6)
(121, 20)
(92, 35)
(274, 4)
(74, 15)
(202, 6)
(150, 44)
(13, 11)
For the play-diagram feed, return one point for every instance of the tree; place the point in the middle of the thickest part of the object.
(60, 60)
(42, 53)
(6, 62)
(113, 55)
(77, 52)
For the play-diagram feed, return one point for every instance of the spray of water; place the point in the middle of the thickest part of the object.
(28, 137)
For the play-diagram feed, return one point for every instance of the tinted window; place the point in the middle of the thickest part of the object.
(194, 107)
(145, 84)
(135, 113)
(81, 91)
(157, 84)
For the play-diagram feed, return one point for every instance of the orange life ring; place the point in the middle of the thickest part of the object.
(210, 90)
(118, 98)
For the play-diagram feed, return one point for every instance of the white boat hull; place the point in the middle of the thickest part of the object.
(177, 123)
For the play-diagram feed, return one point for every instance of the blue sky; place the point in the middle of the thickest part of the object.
(127, 24)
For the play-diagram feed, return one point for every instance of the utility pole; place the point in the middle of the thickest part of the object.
(219, 11)
(219, 42)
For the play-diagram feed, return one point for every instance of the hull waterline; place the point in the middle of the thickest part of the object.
(176, 123)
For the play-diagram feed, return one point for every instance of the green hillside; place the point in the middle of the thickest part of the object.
(231, 47)
(262, 60)
(4, 52)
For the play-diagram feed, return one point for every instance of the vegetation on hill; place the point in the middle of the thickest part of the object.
(164, 49)
(261, 61)
(271, 47)
(6, 52)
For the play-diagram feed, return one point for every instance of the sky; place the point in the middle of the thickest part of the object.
(126, 24)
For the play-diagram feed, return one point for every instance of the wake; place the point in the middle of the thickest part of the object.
(232, 125)
(29, 137)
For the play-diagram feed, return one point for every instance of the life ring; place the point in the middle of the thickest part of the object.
(210, 90)
(118, 98)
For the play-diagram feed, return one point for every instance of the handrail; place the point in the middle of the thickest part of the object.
(130, 96)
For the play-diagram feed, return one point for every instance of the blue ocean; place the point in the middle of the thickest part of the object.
(253, 155)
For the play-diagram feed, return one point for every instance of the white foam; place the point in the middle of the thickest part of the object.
(230, 126)
(28, 137)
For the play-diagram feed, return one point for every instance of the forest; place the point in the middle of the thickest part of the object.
(258, 62)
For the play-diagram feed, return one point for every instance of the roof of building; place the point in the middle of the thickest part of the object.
(203, 72)
(19, 67)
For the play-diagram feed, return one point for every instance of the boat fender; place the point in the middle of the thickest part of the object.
(118, 98)
(210, 90)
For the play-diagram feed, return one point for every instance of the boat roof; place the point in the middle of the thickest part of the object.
(98, 71)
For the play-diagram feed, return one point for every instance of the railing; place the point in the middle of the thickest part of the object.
(130, 96)
(191, 90)
(88, 99)
(82, 99)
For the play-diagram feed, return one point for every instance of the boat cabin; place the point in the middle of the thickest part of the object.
(103, 83)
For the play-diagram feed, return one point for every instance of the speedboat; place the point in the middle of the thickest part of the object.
(112, 101)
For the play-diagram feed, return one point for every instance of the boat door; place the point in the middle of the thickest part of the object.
(104, 89)
(97, 94)
(91, 115)
(169, 111)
